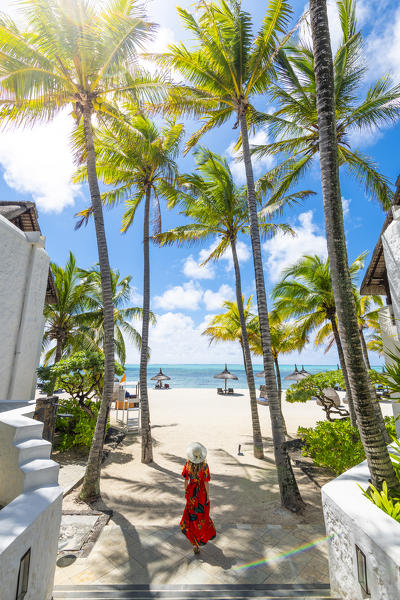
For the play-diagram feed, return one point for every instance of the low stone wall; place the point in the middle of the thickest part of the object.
(350, 520)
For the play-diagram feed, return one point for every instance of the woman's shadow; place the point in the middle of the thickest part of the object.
(212, 555)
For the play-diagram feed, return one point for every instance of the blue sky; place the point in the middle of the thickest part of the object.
(37, 165)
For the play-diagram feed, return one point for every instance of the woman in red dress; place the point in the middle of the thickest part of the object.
(196, 523)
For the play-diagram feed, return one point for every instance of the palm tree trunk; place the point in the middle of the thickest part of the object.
(279, 386)
(59, 350)
(91, 482)
(339, 347)
(379, 462)
(364, 349)
(147, 442)
(289, 491)
(257, 437)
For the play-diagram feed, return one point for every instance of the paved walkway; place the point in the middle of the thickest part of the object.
(143, 544)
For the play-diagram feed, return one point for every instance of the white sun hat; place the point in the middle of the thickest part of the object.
(196, 453)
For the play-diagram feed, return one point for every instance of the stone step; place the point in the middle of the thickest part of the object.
(33, 448)
(307, 591)
(39, 472)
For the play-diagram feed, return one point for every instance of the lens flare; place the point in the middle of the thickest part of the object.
(287, 554)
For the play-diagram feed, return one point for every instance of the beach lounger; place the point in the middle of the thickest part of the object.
(230, 390)
(220, 391)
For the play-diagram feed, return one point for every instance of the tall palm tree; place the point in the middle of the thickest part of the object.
(62, 317)
(226, 67)
(305, 292)
(219, 210)
(137, 159)
(294, 128)
(379, 462)
(74, 55)
(285, 338)
(91, 321)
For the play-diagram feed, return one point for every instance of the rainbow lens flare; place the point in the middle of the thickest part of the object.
(287, 554)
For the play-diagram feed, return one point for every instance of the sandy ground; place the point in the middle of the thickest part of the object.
(143, 543)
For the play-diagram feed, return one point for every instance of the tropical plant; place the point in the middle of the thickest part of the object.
(391, 378)
(91, 321)
(75, 54)
(226, 67)
(218, 210)
(62, 323)
(383, 500)
(315, 386)
(367, 314)
(137, 159)
(372, 437)
(294, 127)
(305, 292)
(335, 445)
(81, 375)
(76, 429)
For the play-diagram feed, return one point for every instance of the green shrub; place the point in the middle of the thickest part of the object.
(77, 430)
(335, 445)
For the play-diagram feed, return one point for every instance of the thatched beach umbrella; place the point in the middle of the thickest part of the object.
(161, 377)
(304, 372)
(296, 375)
(225, 374)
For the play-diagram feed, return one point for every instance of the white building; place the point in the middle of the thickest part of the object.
(30, 497)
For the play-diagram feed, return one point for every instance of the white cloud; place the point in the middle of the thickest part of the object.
(383, 46)
(194, 270)
(39, 162)
(346, 206)
(260, 165)
(186, 296)
(214, 300)
(177, 339)
(284, 250)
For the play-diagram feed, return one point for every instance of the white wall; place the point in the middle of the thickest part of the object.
(32, 521)
(391, 249)
(24, 269)
(352, 519)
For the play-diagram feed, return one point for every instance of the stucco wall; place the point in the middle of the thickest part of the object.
(23, 278)
(31, 521)
(391, 249)
(352, 519)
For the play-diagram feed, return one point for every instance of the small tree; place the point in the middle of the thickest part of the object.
(314, 386)
(81, 375)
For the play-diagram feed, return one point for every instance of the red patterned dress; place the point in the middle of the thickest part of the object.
(196, 523)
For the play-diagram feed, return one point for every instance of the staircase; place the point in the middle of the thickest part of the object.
(281, 591)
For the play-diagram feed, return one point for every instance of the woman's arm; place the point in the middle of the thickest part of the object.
(186, 484)
(207, 488)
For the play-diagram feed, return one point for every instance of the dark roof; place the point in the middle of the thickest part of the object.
(375, 279)
(24, 216)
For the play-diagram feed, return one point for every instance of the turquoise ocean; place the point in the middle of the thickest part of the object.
(201, 376)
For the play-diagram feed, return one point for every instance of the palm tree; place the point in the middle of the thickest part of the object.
(62, 323)
(137, 159)
(226, 67)
(294, 126)
(379, 462)
(285, 338)
(218, 209)
(305, 292)
(74, 55)
(91, 321)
